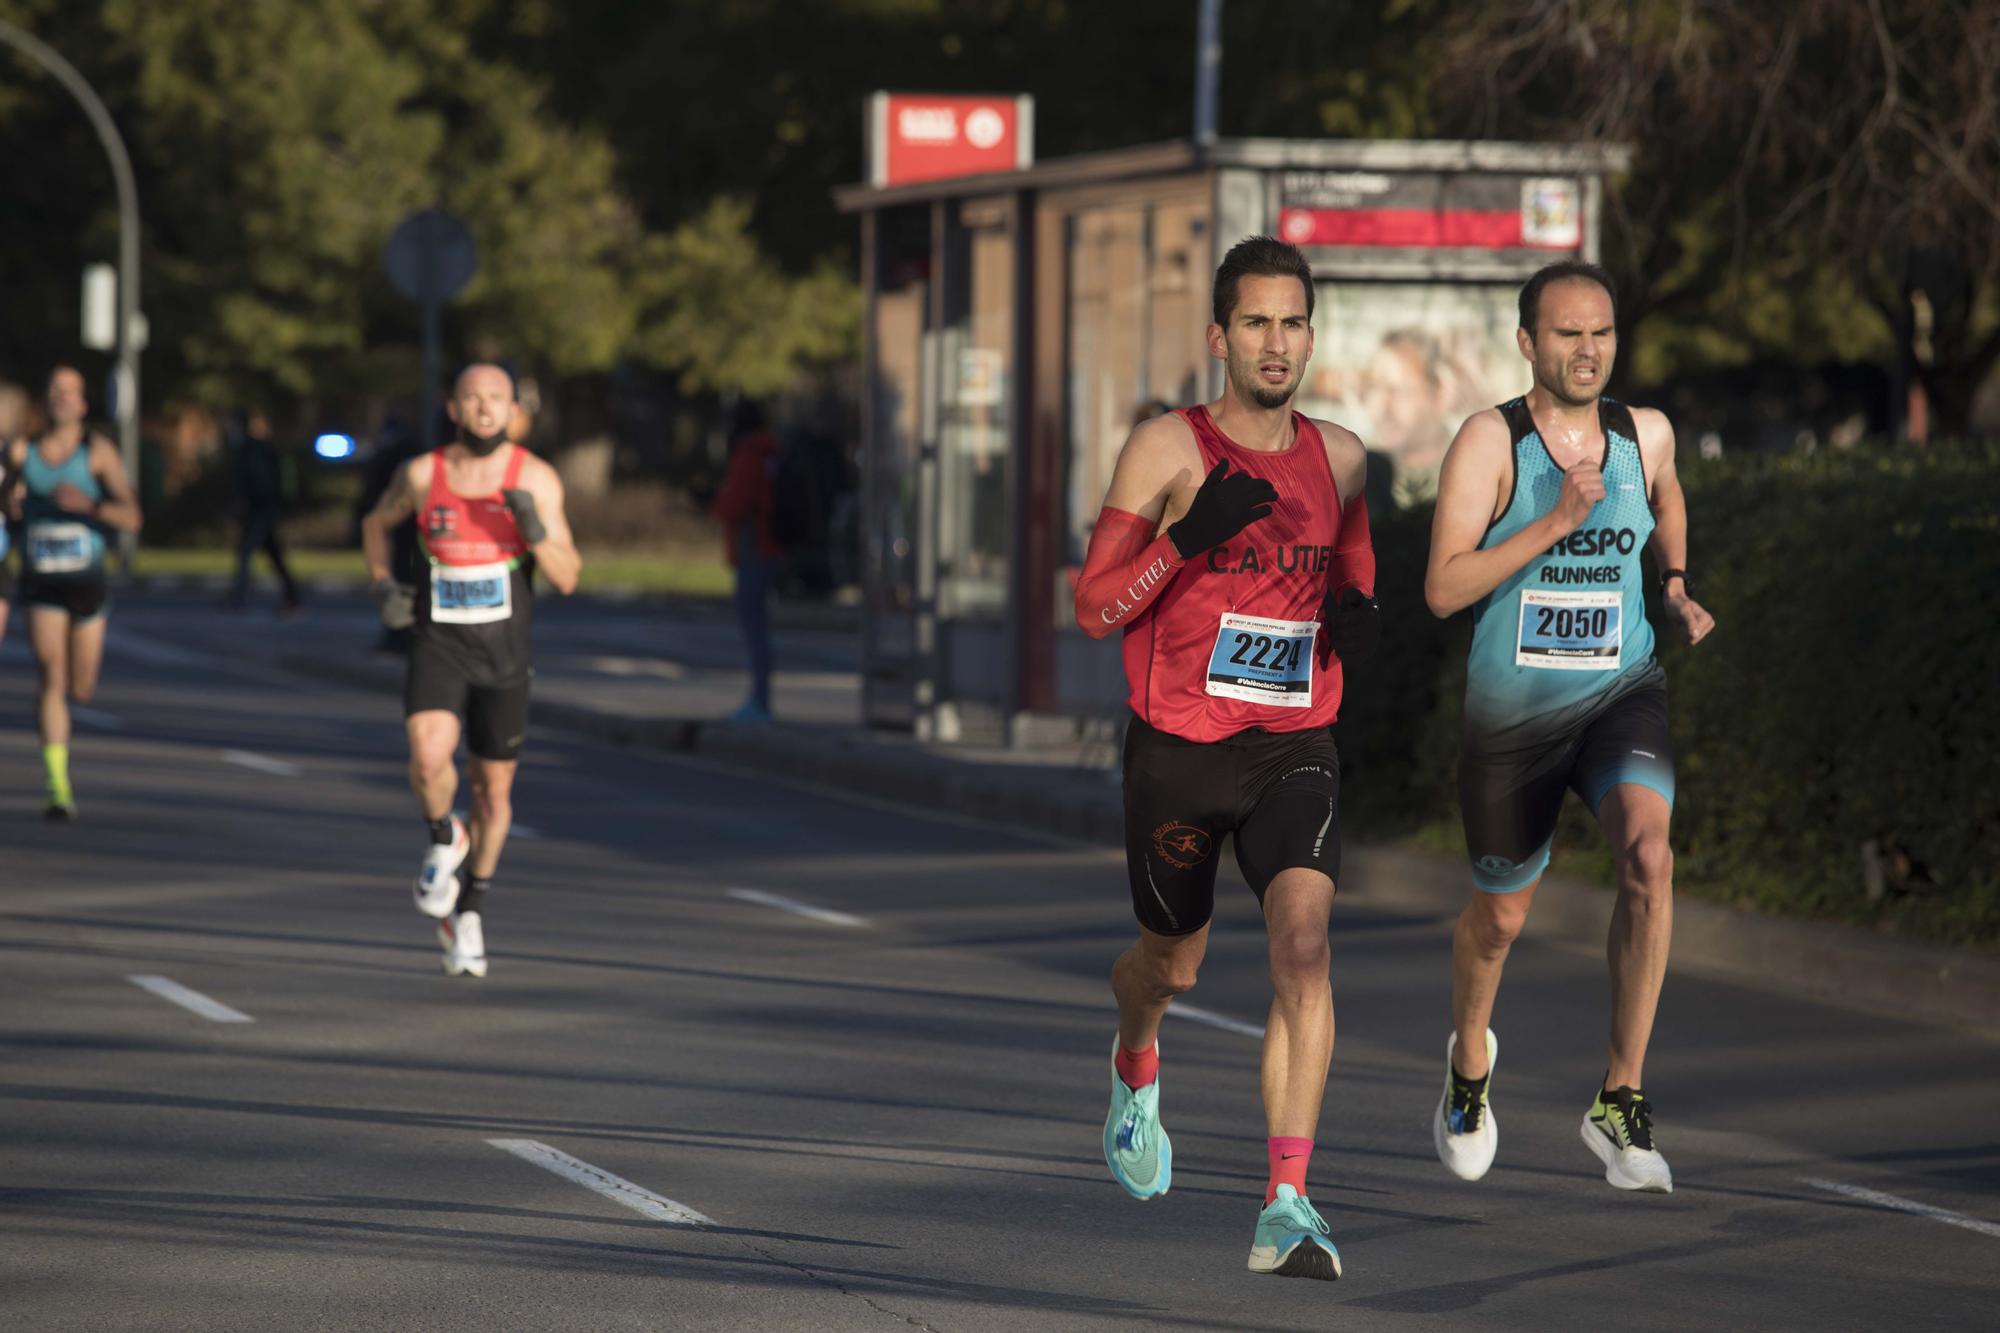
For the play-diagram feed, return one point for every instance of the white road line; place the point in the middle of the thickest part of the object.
(1198, 1015)
(277, 768)
(125, 643)
(96, 717)
(1903, 1205)
(636, 1197)
(821, 914)
(191, 999)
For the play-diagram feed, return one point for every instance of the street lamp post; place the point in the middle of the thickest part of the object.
(126, 377)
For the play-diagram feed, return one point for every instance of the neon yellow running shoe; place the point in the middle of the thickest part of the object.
(1619, 1129)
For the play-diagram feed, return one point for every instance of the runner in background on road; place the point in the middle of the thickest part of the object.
(71, 490)
(489, 515)
(1543, 506)
(1233, 555)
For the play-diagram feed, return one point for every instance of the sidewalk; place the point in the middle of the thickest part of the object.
(664, 676)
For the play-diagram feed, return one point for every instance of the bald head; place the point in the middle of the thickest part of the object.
(482, 403)
(483, 373)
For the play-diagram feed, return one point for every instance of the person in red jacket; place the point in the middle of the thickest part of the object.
(744, 505)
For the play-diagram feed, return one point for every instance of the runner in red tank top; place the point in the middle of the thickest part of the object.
(1233, 553)
(489, 514)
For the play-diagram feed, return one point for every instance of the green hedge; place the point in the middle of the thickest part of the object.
(1847, 696)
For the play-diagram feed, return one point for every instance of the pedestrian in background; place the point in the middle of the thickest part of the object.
(260, 504)
(745, 505)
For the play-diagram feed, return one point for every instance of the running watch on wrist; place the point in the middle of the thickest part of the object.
(1669, 575)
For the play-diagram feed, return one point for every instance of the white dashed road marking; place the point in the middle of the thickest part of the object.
(821, 914)
(1902, 1205)
(636, 1197)
(1197, 1015)
(277, 768)
(192, 1000)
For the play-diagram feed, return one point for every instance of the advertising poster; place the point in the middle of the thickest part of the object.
(1402, 364)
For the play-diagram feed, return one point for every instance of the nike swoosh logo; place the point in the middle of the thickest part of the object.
(1288, 1156)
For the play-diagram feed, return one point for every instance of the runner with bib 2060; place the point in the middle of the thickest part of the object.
(489, 515)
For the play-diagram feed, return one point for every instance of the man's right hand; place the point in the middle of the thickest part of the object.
(396, 601)
(1582, 488)
(1227, 503)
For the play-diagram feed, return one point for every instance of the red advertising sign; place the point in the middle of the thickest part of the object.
(1431, 211)
(912, 137)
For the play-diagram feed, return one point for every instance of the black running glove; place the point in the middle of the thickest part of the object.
(396, 601)
(522, 505)
(1350, 625)
(1227, 503)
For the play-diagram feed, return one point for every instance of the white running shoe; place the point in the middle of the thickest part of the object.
(437, 883)
(1619, 1129)
(1464, 1129)
(464, 941)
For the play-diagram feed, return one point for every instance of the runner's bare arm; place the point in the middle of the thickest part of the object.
(556, 555)
(1669, 540)
(120, 508)
(1130, 560)
(1469, 499)
(398, 502)
(1354, 553)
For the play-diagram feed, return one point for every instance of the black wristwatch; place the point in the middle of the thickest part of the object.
(1669, 575)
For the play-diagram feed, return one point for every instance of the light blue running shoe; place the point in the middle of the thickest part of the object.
(1292, 1240)
(1136, 1148)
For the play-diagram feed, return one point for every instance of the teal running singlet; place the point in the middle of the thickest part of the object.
(1568, 630)
(58, 544)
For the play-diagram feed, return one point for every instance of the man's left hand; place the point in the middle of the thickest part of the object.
(1350, 625)
(522, 505)
(1694, 621)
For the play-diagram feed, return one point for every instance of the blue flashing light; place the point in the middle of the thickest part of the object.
(334, 445)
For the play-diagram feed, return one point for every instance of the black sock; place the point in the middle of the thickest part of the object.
(441, 831)
(472, 892)
(1478, 1085)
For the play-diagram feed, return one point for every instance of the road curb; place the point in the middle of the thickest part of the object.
(1845, 964)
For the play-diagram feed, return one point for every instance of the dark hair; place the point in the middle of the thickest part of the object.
(1259, 257)
(1563, 271)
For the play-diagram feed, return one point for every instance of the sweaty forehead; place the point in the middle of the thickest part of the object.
(1575, 303)
(1270, 297)
(485, 380)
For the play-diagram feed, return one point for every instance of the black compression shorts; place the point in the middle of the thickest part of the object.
(1511, 792)
(495, 717)
(1277, 792)
(84, 599)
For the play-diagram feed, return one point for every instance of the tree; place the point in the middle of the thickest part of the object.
(1803, 169)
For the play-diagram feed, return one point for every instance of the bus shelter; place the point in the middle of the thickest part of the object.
(1018, 323)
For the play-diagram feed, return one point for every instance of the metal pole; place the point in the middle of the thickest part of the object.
(126, 376)
(426, 404)
(1207, 72)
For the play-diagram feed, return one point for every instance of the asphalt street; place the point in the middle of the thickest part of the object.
(756, 1055)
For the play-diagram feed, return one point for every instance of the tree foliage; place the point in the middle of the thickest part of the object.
(1802, 168)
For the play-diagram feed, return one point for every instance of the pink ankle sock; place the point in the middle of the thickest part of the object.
(1137, 1068)
(1289, 1157)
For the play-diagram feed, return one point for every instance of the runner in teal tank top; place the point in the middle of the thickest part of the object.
(1544, 505)
(70, 489)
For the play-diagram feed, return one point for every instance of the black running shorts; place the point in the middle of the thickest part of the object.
(1277, 792)
(1511, 789)
(495, 717)
(85, 598)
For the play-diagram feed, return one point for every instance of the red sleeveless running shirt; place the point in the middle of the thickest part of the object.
(1227, 644)
(471, 530)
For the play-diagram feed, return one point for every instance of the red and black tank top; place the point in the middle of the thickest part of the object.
(1230, 644)
(477, 593)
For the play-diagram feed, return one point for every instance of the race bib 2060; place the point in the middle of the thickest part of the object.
(471, 594)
